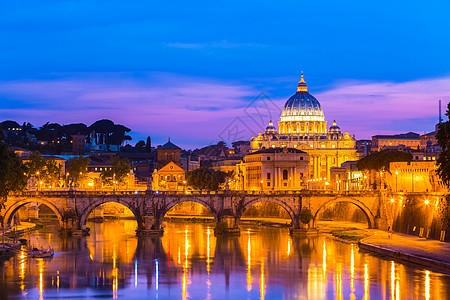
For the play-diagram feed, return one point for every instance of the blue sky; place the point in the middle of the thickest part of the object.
(189, 70)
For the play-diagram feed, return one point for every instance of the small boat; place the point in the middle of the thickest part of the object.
(41, 253)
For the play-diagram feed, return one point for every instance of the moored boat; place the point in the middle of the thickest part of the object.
(41, 253)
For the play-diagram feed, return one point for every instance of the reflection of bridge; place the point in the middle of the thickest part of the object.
(73, 207)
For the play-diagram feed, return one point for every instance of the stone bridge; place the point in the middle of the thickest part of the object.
(74, 207)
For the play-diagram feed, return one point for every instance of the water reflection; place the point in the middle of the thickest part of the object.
(189, 262)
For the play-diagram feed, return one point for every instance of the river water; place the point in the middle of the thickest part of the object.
(189, 262)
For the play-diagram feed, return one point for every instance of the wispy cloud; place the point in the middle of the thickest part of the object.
(369, 108)
(213, 44)
(170, 105)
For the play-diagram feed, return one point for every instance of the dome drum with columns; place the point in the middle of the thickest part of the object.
(303, 126)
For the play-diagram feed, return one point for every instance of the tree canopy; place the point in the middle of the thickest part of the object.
(55, 138)
(77, 167)
(443, 139)
(380, 160)
(119, 170)
(12, 171)
(206, 179)
(45, 170)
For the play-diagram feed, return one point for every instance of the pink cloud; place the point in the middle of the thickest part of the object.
(384, 107)
(199, 111)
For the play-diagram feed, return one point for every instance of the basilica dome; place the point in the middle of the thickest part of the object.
(271, 129)
(302, 106)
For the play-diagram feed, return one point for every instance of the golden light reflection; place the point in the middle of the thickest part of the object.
(393, 285)
(352, 272)
(208, 233)
(185, 266)
(22, 271)
(366, 282)
(115, 281)
(289, 246)
(57, 280)
(184, 284)
(262, 282)
(339, 293)
(427, 285)
(249, 263)
(41, 279)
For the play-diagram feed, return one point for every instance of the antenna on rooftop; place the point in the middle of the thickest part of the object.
(440, 114)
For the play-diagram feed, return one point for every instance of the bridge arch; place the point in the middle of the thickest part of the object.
(83, 217)
(367, 212)
(175, 201)
(277, 201)
(11, 210)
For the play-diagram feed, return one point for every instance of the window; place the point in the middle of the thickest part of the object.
(268, 157)
(162, 178)
(268, 176)
(285, 174)
(301, 157)
(268, 183)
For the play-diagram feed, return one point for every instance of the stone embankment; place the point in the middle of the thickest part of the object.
(428, 253)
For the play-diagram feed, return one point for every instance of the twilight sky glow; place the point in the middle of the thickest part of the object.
(207, 71)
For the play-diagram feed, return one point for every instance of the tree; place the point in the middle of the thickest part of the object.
(120, 168)
(46, 171)
(77, 167)
(12, 171)
(380, 160)
(443, 139)
(206, 179)
(140, 146)
(148, 145)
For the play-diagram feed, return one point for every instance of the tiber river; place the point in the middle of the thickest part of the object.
(189, 262)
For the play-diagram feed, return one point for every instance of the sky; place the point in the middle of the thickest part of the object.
(203, 71)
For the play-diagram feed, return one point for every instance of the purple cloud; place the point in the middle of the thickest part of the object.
(197, 111)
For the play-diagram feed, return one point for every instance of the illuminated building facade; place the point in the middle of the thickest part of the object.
(169, 175)
(414, 176)
(303, 127)
(381, 142)
(273, 169)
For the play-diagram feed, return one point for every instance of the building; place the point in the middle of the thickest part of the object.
(78, 144)
(414, 176)
(347, 177)
(167, 153)
(273, 169)
(169, 174)
(171, 177)
(303, 127)
(406, 140)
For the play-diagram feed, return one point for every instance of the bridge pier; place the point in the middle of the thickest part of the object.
(227, 225)
(150, 227)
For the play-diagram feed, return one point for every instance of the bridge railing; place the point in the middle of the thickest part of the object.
(81, 193)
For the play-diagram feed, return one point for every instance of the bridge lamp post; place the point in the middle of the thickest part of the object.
(39, 179)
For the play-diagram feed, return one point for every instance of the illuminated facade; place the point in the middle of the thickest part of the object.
(303, 127)
(273, 169)
(414, 176)
(171, 177)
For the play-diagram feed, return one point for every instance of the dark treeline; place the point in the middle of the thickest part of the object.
(56, 138)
